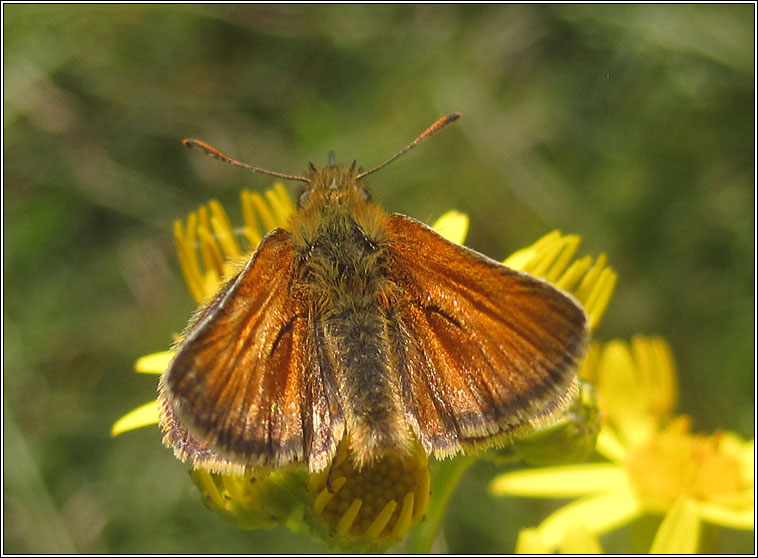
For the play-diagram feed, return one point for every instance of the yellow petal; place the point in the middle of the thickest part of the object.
(580, 541)
(380, 521)
(609, 445)
(281, 203)
(554, 259)
(561, 482)
(222, 229)
(144, 415)
(574, 273)
(453, 225)
(211, 256)
(529, 542)
(657, 373)
(598, 299)
(589, 369)
(740, 518)
(679, 532)
(348, 518)
(325, 495)
(156, 363)
(598, 514)
(526, 258)
(187, 255)
(252, 229)
(569, 245)
(263, 211)
(405, 518)
(742, 450)
(747, 458)
(620, 394)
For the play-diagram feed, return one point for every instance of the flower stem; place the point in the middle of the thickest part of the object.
(445, 479)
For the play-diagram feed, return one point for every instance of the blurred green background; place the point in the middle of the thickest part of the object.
(632, 126)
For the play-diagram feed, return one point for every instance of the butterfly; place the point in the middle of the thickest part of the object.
(357, 324)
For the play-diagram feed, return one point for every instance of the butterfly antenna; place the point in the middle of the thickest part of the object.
(441, 123)
(213, 152)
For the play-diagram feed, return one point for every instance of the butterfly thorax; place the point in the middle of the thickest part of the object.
(340, 238)
(339, 234)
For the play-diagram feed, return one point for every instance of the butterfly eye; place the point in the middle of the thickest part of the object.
(303, 198)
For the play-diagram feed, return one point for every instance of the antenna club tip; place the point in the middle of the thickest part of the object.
(454, 116)
(189, 142)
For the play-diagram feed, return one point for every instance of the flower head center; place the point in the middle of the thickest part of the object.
(676, 463)
(381, 499)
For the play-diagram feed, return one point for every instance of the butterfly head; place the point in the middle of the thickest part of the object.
(332, 185)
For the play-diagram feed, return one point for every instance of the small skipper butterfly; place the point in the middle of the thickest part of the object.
(352, 322)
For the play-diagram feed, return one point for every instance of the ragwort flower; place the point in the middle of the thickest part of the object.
(657, 465)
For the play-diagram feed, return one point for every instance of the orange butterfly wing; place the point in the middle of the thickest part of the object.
(481, 349)
(249, 385)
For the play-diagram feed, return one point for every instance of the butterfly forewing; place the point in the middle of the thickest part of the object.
(247, 380)
(482, 350)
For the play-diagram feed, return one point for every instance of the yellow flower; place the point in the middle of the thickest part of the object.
(381, 502)
(657, 465)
